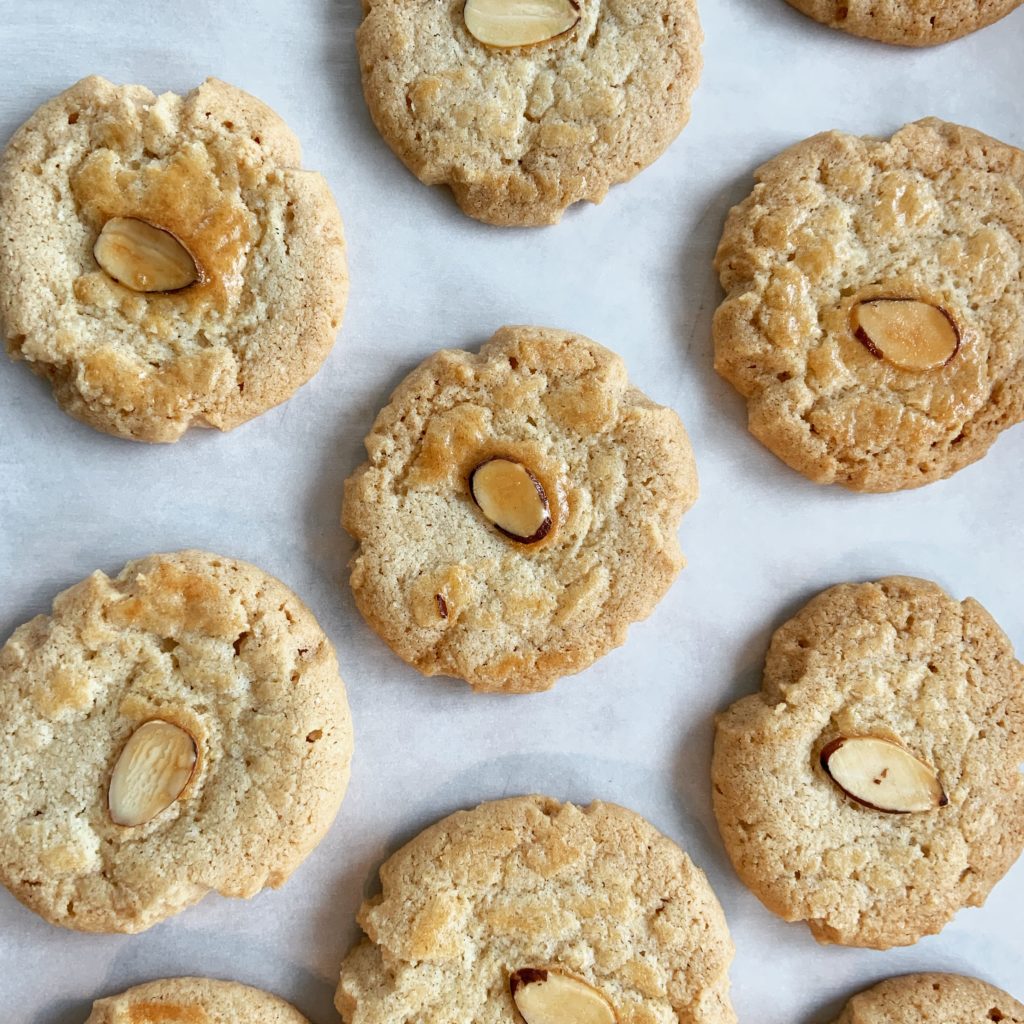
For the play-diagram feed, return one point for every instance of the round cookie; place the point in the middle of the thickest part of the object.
(897, 661)
(520, 133)
(179, 729)
(89, 177)
(453, 593)
(926, 232)
(194, 1001)
(932, 999)
(529, 885)
(907, 22)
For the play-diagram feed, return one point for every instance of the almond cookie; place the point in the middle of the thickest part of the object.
(194, 1001)
(874, 318)
(518, 510)
(164, 262)
(559, 912)
(176, 730)
(932, 999)
(907, 22)
(873, 787)
(524, 107)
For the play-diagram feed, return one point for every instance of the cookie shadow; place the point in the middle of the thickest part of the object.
(63, 1011)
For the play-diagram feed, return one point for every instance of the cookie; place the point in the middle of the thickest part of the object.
(179, 729)
(874, 316)
(932, 999)
(164, 262)
(567, 906)
(194, 1001)
(907, 22)
(873, 787)
(595, 93)
(518, 510)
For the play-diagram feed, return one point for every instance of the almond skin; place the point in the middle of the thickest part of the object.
(550, 997)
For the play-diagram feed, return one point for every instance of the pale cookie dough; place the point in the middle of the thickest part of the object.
(234, 662)
(220, 171)
(452, 594)
(932, 999)
(194, 1001)
(907, 22)
(521, 133)
(902, 661)
(933, 214)
(595, 893)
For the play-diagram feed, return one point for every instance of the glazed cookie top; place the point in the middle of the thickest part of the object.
(876, 695)
(907, 22)
(874, 317)
(520, 132)
(194, 1001)
(605, 474)
(178, 729)
(515, 890)
(233, 259)
(932, 999)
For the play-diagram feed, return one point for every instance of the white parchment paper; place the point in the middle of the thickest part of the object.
(634, 274)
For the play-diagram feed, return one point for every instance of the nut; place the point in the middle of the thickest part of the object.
(909, 333)
(882, 775)
(143, 257)
(550, 997)
(512, 498)
(153, 770)
(507, 23)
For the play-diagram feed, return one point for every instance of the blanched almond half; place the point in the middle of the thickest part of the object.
(550, 997)
(909, 333)
(882, 775)
(154, 768)
(512, 498)
(143, 257)
(506, 23)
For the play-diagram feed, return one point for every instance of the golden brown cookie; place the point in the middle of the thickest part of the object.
(520, 132)
(932, 999)
(193, 1001)
(527, 900)
(164, 261)
(873, 787)
(907, 22)
(874, 310)
(518, 510)
(179, 729)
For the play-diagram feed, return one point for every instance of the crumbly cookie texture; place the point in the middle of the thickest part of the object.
(901, 660)
(448, 591)
(194, 1001)
(520, 134)
(907, 22)
(596, 893)
(932, 999)
(936, 214)
(219, 171)
(213, 646)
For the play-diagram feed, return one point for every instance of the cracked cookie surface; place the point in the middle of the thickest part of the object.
(453, 595)
(907, 22)
(221, 650)
(935, 213)
(527, 882)
(194, 1001)
(932, 999)
(901, 660)
(219, 171)
(520, 134)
